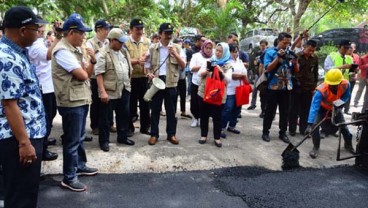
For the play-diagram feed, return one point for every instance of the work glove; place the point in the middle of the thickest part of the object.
(308, 130)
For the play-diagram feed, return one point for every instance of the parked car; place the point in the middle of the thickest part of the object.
(253, 37)
(334, 36)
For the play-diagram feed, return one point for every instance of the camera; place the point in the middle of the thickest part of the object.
(289, 55)
(353, 68)
(210, 66)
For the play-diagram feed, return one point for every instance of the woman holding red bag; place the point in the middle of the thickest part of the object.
(218, 65)
(231, 110)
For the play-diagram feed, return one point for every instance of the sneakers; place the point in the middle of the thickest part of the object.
(314, 153)
(195, 123)
(233, 130)
(74, 186)
(87, 171)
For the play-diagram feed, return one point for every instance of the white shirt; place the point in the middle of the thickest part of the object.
(164, 52)
(67, 60)
(197, 60)
(238, 69)
(38, 57)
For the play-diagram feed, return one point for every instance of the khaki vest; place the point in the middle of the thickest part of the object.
(202, 82)
(136, 52)
(111, 84)
(69, 91)
(96, 48)
(172, 66)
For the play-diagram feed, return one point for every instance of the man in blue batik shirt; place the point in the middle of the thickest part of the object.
(22, 116)
(279, 64)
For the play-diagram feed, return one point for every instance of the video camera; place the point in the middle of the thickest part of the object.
(289, 55)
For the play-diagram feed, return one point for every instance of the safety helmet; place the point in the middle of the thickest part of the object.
(333, 77)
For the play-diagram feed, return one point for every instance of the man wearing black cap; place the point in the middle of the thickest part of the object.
(340, 60)
(102, 28)
(22, 115)
(138, 49)
(164, 62)
(73, 95)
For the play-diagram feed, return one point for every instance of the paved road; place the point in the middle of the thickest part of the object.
(237, 187)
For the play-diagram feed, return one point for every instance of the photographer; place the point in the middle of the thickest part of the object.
(279, 64)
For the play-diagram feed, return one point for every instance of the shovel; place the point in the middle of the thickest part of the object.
(290, 156)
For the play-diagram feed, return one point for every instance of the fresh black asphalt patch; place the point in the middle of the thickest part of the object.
(235, 187)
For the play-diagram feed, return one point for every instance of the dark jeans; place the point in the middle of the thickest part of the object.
(255, 92)
(263, 96)
(182, 92)
(139, 88)
(169, 97)
(338, 119)
(347, 104)
(74, 128)
(189, 82)
(95, 105)
(49, 102)
(194, 101)
(300, 105)
(121, 108)
(207, 111)
(230, 112)
(276, 98)
(20, 182)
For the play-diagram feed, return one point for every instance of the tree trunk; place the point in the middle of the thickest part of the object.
(105, 8)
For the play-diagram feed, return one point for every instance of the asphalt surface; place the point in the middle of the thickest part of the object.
(344, 186)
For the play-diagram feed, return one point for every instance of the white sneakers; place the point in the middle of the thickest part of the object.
(195, 122)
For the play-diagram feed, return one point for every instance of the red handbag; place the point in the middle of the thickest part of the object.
(242, 93)
(215, 89)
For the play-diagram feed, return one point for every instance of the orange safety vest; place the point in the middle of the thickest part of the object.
(328, 97)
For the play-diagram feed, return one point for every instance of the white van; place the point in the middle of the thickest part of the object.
(253, 37)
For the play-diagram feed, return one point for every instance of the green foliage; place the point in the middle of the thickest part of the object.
(324, 51)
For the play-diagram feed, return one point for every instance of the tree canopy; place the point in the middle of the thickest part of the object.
(215, 18)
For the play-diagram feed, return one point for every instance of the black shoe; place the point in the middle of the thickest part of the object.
(49, 156)
(292, 133)
(284, 138)
(134, 119)
(74, 186)
(261, 115)
(314, 153)
(252, 107)
(266, 137)
(126, 141)
(349, 148)
(145, 131)
(218, 143)
(233, 130)
(223, 135)
(88, 138)
(51, 141)
(87, 171)
(239, 116)
(130, 133)
(105, 147)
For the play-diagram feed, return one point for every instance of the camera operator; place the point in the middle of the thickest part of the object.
(279, 64)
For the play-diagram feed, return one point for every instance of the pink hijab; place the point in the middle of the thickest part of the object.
(203, 51)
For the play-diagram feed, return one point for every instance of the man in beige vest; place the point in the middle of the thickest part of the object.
(137, 46)
(113, 71)
(102, 28)
(70, 76)
(164, 62)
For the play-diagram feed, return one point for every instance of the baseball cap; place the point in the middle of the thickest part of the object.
(166, 27)
(345, 43)
(75, 21)
(19, 16)
(136, 22)
(117, 34)
(187, 40)
(101, 23)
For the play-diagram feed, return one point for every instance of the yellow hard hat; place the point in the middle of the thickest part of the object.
(333, 77)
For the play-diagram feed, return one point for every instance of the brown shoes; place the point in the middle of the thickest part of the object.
(173, 140)
(152, 140)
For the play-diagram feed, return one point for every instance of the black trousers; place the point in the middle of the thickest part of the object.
(194, 101)
(139, 88)
(207, 111)
(300, 104)
(182, 93)
(20, 183)
(276, 98)
(263, 96)
(95, 106)
(49, 102)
